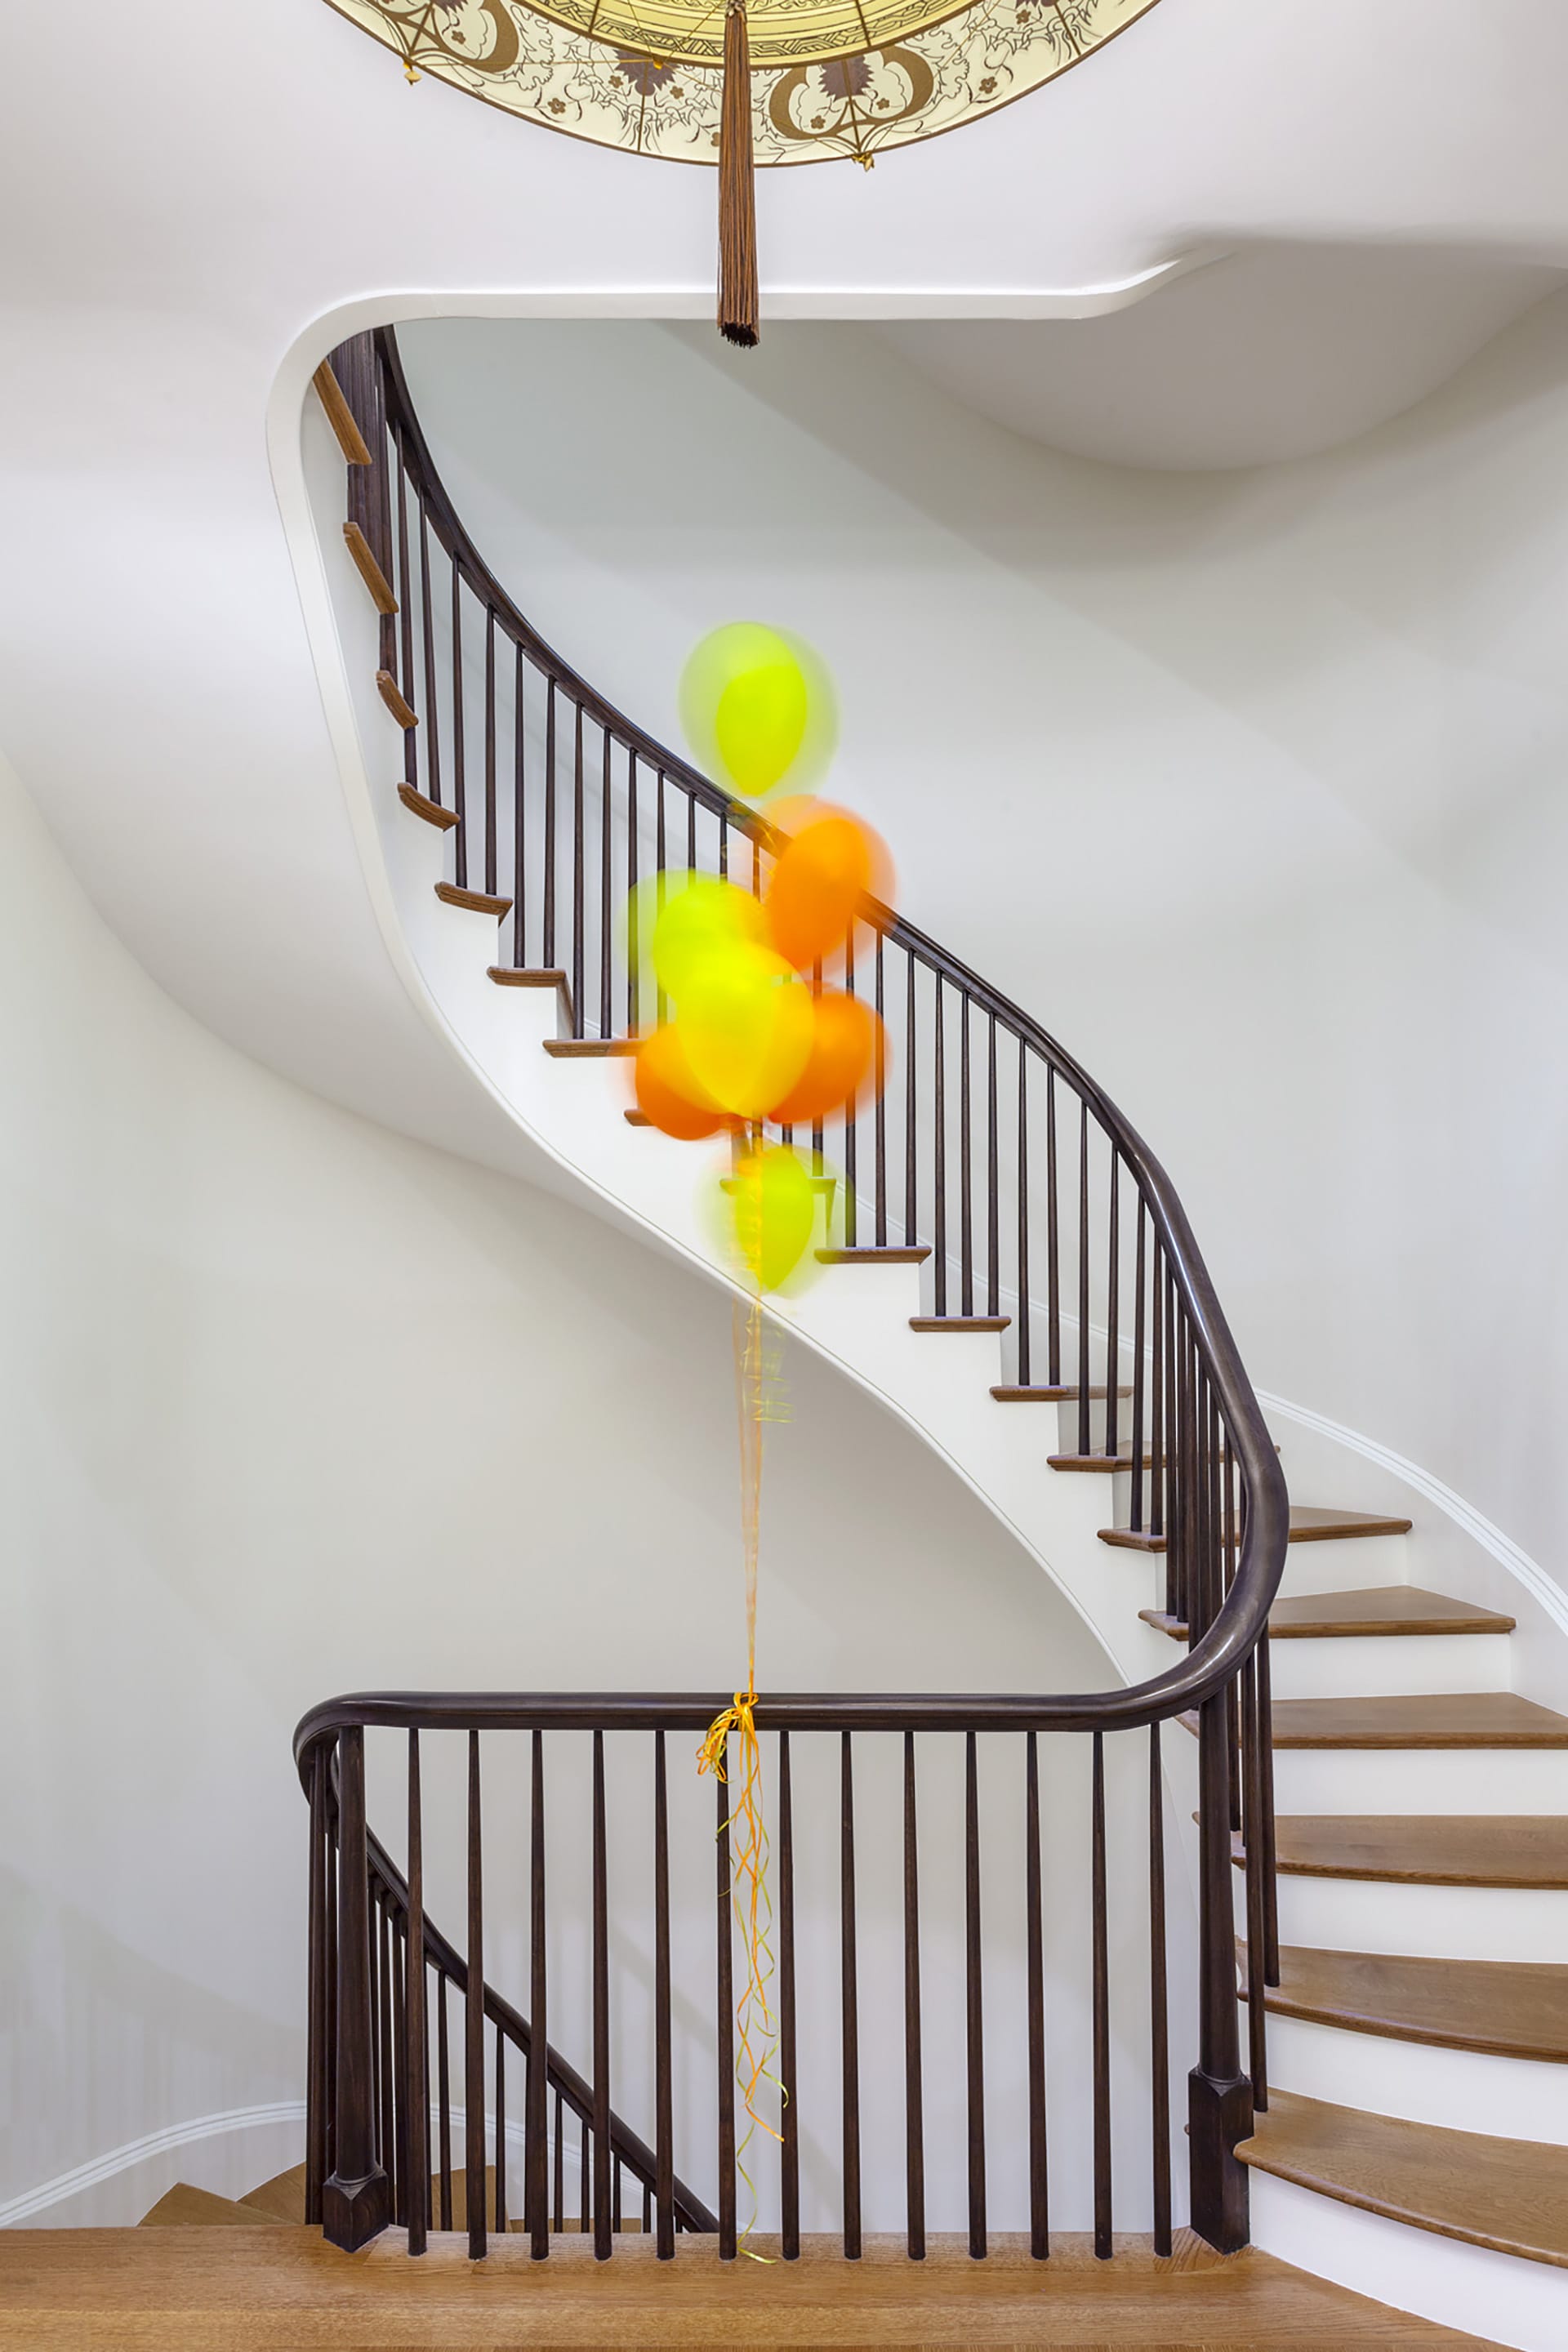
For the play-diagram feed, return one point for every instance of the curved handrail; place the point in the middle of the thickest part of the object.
(1233, 1634)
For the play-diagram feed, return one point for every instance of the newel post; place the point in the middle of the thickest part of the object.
(356, 2202)
(1219, 2095)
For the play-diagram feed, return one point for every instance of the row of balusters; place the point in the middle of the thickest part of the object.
(365, 1898)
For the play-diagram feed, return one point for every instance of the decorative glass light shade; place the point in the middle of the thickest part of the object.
(827, 77)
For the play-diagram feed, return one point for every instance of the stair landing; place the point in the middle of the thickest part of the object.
(172, 2290)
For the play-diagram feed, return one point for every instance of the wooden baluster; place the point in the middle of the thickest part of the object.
(634, 943)
(1266, 1806)
(548, 911)
(1159, 2028)
(661, 1003)
(380, 1957)
(417, 2056)
(1112, 1313)
(560, 2169)
(910, 1186)
(939, 1251)
(851, 1198)
(1100, 2012)
(1083, 1363)
(1136, 1521)
(974, 2019)
(501, 2132)
(606, 892)
(318, 2052)
(398, 2168)
(535, 2206)
(519, 821)
(664, 2130)
(405, 619)
(1219, 2095)
(332, 2148)
(993, 1187)
(431, 730)
(789, 2120)
(1252, 1848)
(444, 2101)
(1024, 1309)
(965, 1205)
(725, 2028)
(603, 2218)
(616, 2197)
(1033, 1937)
(723, 849)
(1053, 1251)
(1159, 1440)
(584, 2174)
(879, 1112)
(849, 2005)
(459, 793)
(491, 846)
(579, 943)
(355, 2204)
(474, 2030)
(914, 2098)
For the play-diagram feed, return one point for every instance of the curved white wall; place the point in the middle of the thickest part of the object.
(294, 1405)
(1257, 779)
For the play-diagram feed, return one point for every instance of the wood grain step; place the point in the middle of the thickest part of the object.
(1462, 1720)
(588, 1049)
(442, 819)
(1508, 2009)
(510, 975)
(959, 1322)
(1509, 2195)
(1390, 1610)
(282, 2197)
(1056, 1395)
(185, 2208)
(870, 1255)
(386, 687)
(1309, 1523)
(476, 902)
(1528, 1850)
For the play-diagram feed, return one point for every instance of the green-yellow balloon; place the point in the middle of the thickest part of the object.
(702, 921)
(774, 1210)
(758, 705)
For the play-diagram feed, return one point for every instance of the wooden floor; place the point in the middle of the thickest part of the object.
(281, 2290)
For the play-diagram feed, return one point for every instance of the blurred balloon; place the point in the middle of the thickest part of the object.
(758, 705)
(667, 1093)
(700, 918)
(773, 1210)
(746, 1026)
(846, 1035)
(819, 881)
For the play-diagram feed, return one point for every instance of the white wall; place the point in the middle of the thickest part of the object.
(1248, 785)
(293, 1405)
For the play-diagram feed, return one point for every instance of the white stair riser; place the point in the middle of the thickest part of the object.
(1497, 2297)
(1437, 1923)
(1421, 1780)
(1346, 1564)
(1391, 1666)
(1458, 2090)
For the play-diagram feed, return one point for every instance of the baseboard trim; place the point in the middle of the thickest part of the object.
(136, 2151)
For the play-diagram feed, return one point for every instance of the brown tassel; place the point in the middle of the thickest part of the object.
(739, 302)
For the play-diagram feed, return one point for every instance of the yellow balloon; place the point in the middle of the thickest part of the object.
(746, 1025)
(758, 705)
(773, 1206)
(702, 917)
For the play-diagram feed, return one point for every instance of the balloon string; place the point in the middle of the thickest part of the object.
(756, 2028)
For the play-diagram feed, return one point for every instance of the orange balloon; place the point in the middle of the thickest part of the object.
(843, 1047)
(818, 884)
(667, 1095)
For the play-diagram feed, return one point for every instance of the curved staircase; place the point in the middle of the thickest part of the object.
(1412, 2132)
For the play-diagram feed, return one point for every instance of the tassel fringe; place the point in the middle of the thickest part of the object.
(740, 306)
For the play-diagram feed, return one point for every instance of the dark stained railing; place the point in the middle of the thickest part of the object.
(993, 1156)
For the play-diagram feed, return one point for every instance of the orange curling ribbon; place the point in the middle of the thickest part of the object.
(755, 2027)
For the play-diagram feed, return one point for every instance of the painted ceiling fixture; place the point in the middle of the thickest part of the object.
(744, 83)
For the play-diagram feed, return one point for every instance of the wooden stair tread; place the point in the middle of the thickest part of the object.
(512, 975)
(1391, 1608)
(1049, 1395)
(587, 1049)
(870, 1255)
(416, 802)
(185, 2208)
(475, 902)
(1510, 2008)
(959, 1322)
(1456, 1719)
(282, 2197)
(1509, 2195)
(1424, 1849)
(1309, 1523)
